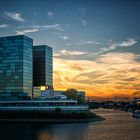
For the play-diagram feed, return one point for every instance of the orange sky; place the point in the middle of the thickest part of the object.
(111, 74)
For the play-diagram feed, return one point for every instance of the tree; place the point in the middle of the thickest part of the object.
(72, 94)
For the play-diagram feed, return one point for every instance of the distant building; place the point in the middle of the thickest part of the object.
(15, 67)
(42, 67)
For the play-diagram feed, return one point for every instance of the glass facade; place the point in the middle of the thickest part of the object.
(15, 67)
(42, 66)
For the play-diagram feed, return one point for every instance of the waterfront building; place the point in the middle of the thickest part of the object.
(43, 68)
(45, 94)
(15, 67)
(49, 106)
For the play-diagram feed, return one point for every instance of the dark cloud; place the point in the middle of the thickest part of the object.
(136, 69)
(137, 93)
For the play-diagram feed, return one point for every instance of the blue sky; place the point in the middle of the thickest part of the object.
(81, 31)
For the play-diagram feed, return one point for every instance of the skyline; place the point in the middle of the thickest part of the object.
(95, 43)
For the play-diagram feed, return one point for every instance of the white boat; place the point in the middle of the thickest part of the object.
(136, 114)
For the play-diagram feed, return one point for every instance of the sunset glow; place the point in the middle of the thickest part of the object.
(112, 74)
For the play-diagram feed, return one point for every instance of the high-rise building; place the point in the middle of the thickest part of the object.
(15, 67)
(42, 67)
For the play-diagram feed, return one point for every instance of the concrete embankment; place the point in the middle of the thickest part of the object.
(45, 117)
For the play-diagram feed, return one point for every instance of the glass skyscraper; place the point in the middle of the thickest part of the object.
(42, 66)
(16, 67)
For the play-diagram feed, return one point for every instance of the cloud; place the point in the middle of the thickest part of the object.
(84, 22)
(111, 47)
(61, 35)
(129, 42)
(29, 29)
(87, 42)
(84, 42)
(56, 54)
(26, 31)
(13, 16)
(4, 26)
(65, 52)
(136, 93)
(51, 27)
(108, 75)
(117, 58)
(64, 37)
(50, 14)
(136, 69)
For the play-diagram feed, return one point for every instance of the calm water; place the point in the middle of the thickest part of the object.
(117, 126)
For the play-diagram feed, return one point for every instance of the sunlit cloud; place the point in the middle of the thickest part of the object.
(2, 26)
(72, 52)
(137, 93)
(13, 16)
(65, 52)
(108, 75)
(117, 58)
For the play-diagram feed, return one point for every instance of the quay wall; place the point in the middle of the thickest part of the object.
(47, 108)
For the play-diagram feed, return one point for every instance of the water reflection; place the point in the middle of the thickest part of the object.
(16, 132)
(43, 132)
(64, 132)
(117, 126)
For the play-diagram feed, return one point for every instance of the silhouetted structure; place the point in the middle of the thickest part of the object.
(42, 66)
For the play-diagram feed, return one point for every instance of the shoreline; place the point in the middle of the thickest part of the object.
(52, 120)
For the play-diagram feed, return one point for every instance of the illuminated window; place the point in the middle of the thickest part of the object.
(42, 88)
